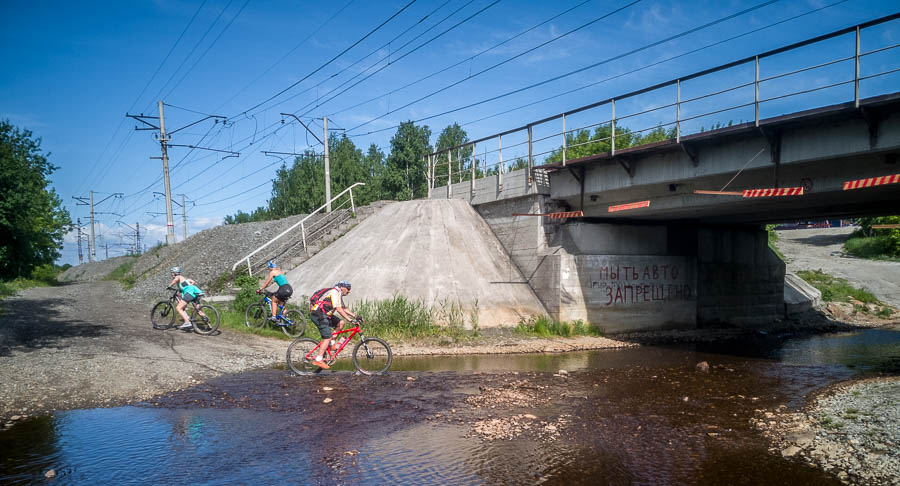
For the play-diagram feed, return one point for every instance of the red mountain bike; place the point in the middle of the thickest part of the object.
(371, 356)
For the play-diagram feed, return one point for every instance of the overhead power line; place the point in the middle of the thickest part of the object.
(687, 53)
(288, 53)
(391, 61)
(207, 49)
(387, 44)
(591, 22)
(565, 75)
(137, 99)
(193, 49)
(468, 59)
(304, 78)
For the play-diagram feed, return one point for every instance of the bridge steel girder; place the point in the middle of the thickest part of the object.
(818, 149)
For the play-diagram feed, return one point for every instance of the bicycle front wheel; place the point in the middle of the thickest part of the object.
(372, 356)
(300, 356)
(162, 316)
(256, 315)
(208, 323)
(292, 323)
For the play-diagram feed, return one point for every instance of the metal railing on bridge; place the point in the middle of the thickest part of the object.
(679, 107)
(316, 230)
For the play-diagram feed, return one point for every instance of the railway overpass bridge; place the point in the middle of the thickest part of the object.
(670, 233)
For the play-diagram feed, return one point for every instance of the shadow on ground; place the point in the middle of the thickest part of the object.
(823, 240)
(30, 324)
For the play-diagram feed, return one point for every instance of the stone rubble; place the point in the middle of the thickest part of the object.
(852, 430)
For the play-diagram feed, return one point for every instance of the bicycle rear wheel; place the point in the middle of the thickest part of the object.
(372, 356)
(208, 324)
(292, 323)
(162, 316)
(300, 356)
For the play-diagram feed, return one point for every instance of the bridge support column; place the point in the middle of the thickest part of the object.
(740, 279)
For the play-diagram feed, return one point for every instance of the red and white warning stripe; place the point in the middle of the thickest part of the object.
(626, 207)
(781, 191)
(556, 215)
(872, 181)
(566, 214)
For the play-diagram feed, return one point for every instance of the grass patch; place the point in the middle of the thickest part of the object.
(836, 289)
(42, 276)
(401, 318)
(544, 326)
(830, 423)
(773, 237)
(872, 247)
(122, 274)
(234, 321)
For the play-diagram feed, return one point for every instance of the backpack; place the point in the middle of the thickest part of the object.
(316, 297)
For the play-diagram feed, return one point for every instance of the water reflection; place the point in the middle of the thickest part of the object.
(639, 416)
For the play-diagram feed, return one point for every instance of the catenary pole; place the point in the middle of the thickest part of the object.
(170, 224)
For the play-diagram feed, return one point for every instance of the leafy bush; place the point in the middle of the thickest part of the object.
(45, 273)
(868, 242)
(247, 293)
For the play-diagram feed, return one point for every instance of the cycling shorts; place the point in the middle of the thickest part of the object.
(284, 292)
(326, 324)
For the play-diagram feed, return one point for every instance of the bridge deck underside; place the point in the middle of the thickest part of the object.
(817, 150)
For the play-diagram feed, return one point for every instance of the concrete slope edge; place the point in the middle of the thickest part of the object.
(438, 252)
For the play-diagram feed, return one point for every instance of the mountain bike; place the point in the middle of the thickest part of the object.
(291, 321)
(162, 316)
(371, 356)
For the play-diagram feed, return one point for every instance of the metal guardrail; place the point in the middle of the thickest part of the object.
(301, 225)
(468, 167)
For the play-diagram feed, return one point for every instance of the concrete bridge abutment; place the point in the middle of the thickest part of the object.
(628, 277)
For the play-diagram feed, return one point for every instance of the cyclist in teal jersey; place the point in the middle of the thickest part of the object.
(189, 293)
(284, 291)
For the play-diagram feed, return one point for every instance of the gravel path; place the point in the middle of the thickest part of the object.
(89, 347)
(93, 346)
(822, 249)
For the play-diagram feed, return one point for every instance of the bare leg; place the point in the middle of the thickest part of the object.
(272, 303)
(180, 308)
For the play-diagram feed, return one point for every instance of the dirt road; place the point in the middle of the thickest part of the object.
(87, 345)
(822, 248)
(81, 345)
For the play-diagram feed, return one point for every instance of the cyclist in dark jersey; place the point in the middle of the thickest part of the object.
(284, 291)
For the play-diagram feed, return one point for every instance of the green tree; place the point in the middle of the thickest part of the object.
(404, 174)
(374, 165)
(32, 218)
(453, 136)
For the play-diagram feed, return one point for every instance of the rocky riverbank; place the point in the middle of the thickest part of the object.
(851, 429)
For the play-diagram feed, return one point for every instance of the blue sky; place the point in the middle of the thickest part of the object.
(72, 70)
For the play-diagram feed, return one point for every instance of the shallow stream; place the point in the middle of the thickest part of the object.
(629, 416)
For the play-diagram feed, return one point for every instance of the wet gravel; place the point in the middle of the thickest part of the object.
(851, 430)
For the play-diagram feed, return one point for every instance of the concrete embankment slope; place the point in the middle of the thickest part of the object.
(438, 251)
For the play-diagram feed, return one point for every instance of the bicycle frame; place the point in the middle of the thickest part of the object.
(267, 299)
(332, 355)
